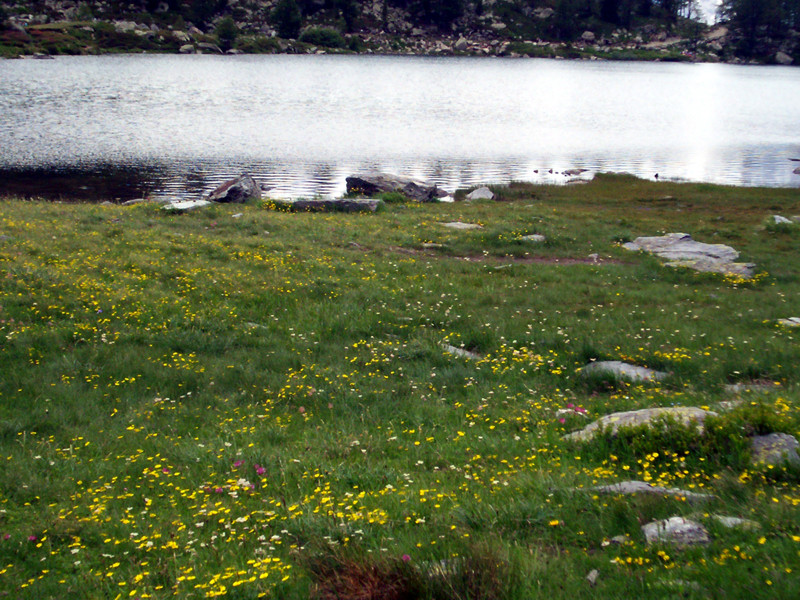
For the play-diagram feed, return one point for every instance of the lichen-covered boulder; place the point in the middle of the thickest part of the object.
(635, 418)
(237, 191)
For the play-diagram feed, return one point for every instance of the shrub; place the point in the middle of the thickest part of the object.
(323, 36)
(287, 19)
(226, 33)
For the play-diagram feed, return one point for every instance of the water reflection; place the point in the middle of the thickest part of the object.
(177, 126)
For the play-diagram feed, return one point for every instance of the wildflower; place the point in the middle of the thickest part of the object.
(260, 470)
(238, 464)
(405, 558)
(31, 538)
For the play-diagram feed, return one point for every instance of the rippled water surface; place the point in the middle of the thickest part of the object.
(127, 126)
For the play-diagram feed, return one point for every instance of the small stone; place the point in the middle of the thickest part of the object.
(592, 577)
(534, 237)
(676, 530)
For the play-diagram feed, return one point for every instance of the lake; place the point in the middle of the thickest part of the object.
(121, 127)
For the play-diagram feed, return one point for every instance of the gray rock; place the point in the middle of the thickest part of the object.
(588, 37)
(462, 226)
(622, 370)
(460, 45)
(181, 36)
(371, 184)
(735, 522)
(482, 193)
(460, 352)
(779, 220)
(763, 387)
(210, 47)
(683, 251)
(783, 59)
(332, 205)
(543, 13)
(775, 449)
(625, 488)
(790, 322)
(796, 171)
(536, 238)
(185, 205)
(187, 49)
(676, 530)
(592, 577)
(635, 418)
(237, 191)
(573, 172)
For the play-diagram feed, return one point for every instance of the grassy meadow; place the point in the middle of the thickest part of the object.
(242, 402)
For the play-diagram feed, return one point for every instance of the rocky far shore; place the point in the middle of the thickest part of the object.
(65, 27)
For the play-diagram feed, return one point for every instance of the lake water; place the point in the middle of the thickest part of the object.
(176, 126)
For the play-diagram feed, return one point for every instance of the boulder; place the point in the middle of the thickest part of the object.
(676, 530)
(371, 184)
(637, 418)
(588, 37)
(775, 449)
(625, 488)
(622, 370)
(187, 49)
(796, 171)
(735, 522)
(210, 47)
(783, 59)
(682, 251)
(482, 193)
(779, 220)
(331, 205)
(181, 36)
(237, 191)
(460, 45)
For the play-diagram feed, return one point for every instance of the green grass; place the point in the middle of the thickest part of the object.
(199, 405)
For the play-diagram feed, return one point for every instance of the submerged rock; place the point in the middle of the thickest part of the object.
(635, 418)
(683, 251)
(676, 530)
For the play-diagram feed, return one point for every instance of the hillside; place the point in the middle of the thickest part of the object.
(615, 29)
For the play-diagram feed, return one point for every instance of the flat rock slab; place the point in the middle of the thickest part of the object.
(331, 205)
(622, 370)
(761, 387)
(642, 487)
(635, 418)
(775, 449)
(682, 251)
(790, 322)
(735, 522)
(460, 352)
(676, 530)
(534, 237)
(482, 193)
(462, 226)
(185, 205)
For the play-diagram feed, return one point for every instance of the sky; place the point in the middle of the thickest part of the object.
(709, 8)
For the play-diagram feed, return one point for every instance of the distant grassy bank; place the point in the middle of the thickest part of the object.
(244, 402)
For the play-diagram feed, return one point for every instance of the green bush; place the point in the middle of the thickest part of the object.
(287, 19)
(323, 36)
(226, 33)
